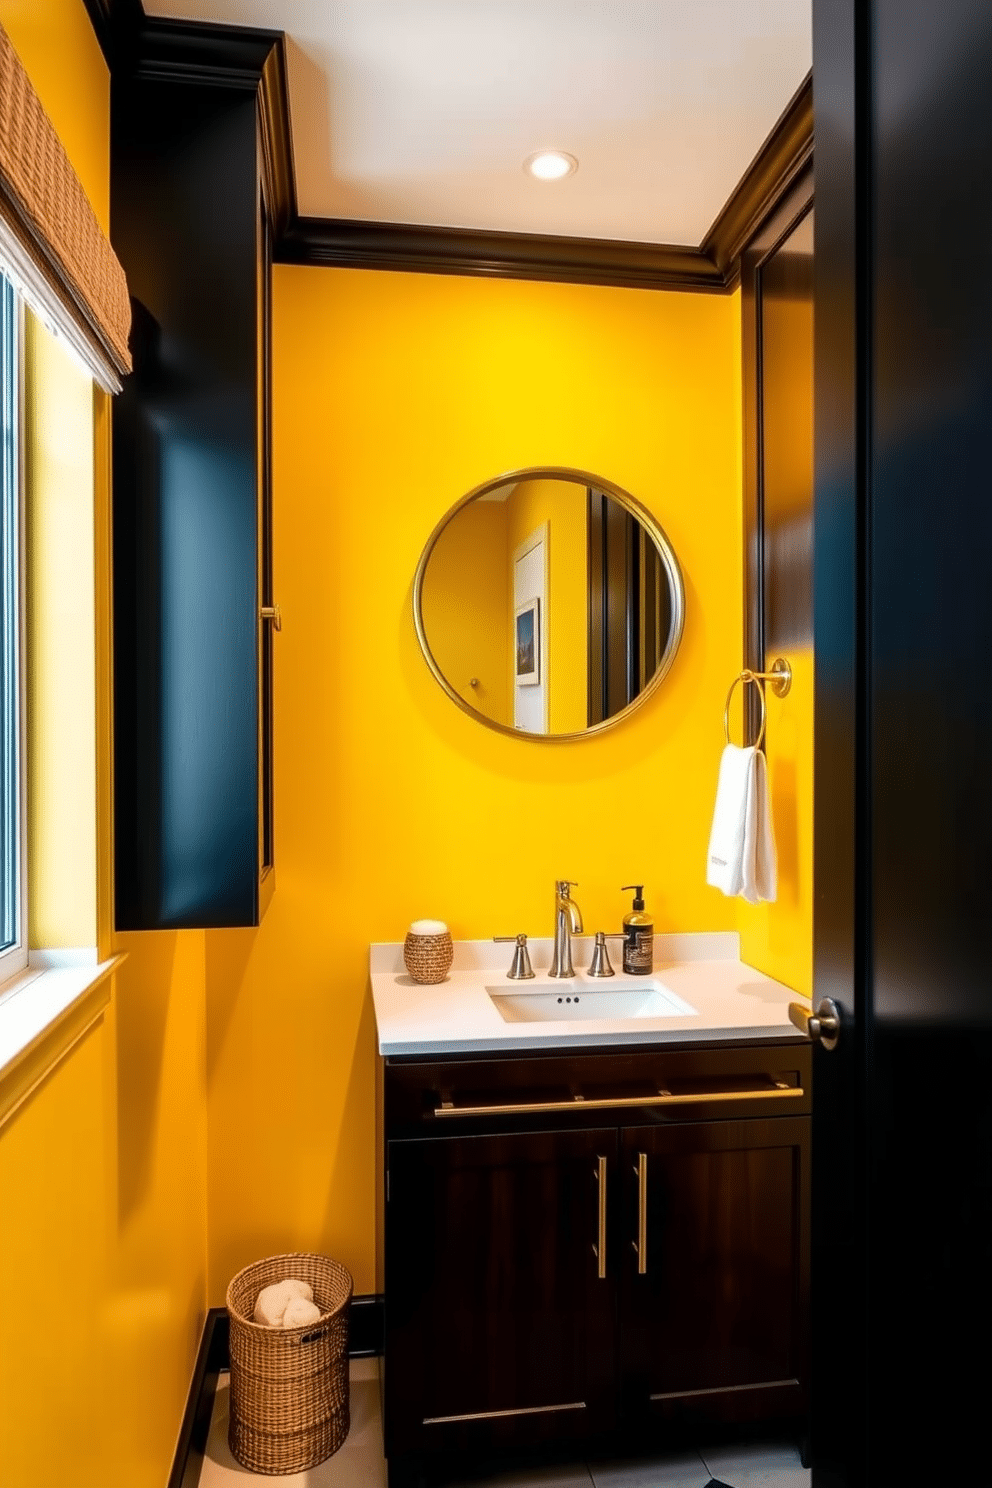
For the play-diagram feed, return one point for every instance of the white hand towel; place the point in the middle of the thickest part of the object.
(741, 854)
(760, 868)
(724, 863)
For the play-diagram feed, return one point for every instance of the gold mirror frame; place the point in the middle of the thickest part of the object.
(651, 527)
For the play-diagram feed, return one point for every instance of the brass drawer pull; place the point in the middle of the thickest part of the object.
(498, 1415)
(641, 1243)
(599, 1250)
(779, 1090)
(273, 613)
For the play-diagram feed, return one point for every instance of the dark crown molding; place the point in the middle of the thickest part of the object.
(777, 164)
(278, 171)
(246, 57)
(191, 52)
(451, 250)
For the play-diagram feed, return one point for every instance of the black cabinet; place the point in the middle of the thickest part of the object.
(192, 551)
(585, 1249)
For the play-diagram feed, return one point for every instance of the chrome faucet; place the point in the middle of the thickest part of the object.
(568, 922)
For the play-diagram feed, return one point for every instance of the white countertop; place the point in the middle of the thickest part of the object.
(732, 1001)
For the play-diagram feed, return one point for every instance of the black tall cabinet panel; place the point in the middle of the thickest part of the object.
(192, 657)
(902, 1190)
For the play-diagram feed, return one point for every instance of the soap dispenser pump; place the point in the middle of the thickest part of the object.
(638, 936)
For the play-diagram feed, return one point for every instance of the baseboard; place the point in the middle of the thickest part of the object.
(365, 1335)
(211, 1357)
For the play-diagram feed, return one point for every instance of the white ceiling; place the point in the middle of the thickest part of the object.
(423, 111)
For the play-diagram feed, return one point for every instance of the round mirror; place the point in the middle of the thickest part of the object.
(548, 602)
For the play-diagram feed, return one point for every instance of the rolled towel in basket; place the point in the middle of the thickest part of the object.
(299, 1312)
(273, 1300)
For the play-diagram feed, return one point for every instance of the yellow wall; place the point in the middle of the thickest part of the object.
(103, 1168)
(464, 604)
(102, 1173)
(394, 395)
(562, 505)
(778, 938)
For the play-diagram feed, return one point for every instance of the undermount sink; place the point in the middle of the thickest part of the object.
(553, 1002)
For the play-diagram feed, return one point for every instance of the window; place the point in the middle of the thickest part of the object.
(13, 918)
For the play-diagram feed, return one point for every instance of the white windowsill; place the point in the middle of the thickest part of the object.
(45, 1011)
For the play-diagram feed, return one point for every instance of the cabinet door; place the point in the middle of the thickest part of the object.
(500, 1310)
(190, 466)
(714, 1269)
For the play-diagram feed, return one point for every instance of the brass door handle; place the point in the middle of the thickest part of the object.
(641, 1243)
(821, 1027)
(599, 1249)
(273, 613)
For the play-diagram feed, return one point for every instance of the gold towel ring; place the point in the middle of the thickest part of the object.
(780, 678)
(746, 676)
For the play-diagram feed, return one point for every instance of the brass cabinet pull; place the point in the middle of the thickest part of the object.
(273, 613)
(599, 1250)
(498, 1415)
(777, 1091)
(641, 1243)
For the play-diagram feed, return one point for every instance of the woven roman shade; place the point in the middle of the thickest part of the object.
(50, 240)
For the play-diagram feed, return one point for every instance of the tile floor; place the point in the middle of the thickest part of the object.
(359, 1463)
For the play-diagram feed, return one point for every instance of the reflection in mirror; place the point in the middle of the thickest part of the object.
(548, 602)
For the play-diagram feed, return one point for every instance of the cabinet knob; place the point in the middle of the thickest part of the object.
(273, 613)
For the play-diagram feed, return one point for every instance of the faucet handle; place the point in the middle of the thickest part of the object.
(521, 969)
(564, 884)
(600, 965)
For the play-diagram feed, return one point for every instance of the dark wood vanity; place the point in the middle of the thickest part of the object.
(589, 1248)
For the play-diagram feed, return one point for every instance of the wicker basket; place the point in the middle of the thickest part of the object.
(428, 958)
(289, 1386)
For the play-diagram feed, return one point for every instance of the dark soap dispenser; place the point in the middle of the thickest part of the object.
(638, 936)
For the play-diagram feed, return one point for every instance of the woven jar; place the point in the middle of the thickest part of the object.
(428, 957)
(289, 1386)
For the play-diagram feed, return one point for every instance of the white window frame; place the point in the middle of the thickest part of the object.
(14, 958)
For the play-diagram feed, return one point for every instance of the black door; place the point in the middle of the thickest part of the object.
(902, 1160)
(713, 1270)
(501, 1303)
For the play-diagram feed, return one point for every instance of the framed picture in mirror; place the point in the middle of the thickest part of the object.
(527, 670)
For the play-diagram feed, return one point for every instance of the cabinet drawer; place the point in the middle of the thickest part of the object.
(660, 1086)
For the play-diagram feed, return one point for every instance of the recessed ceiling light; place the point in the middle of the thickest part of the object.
(551, 165)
